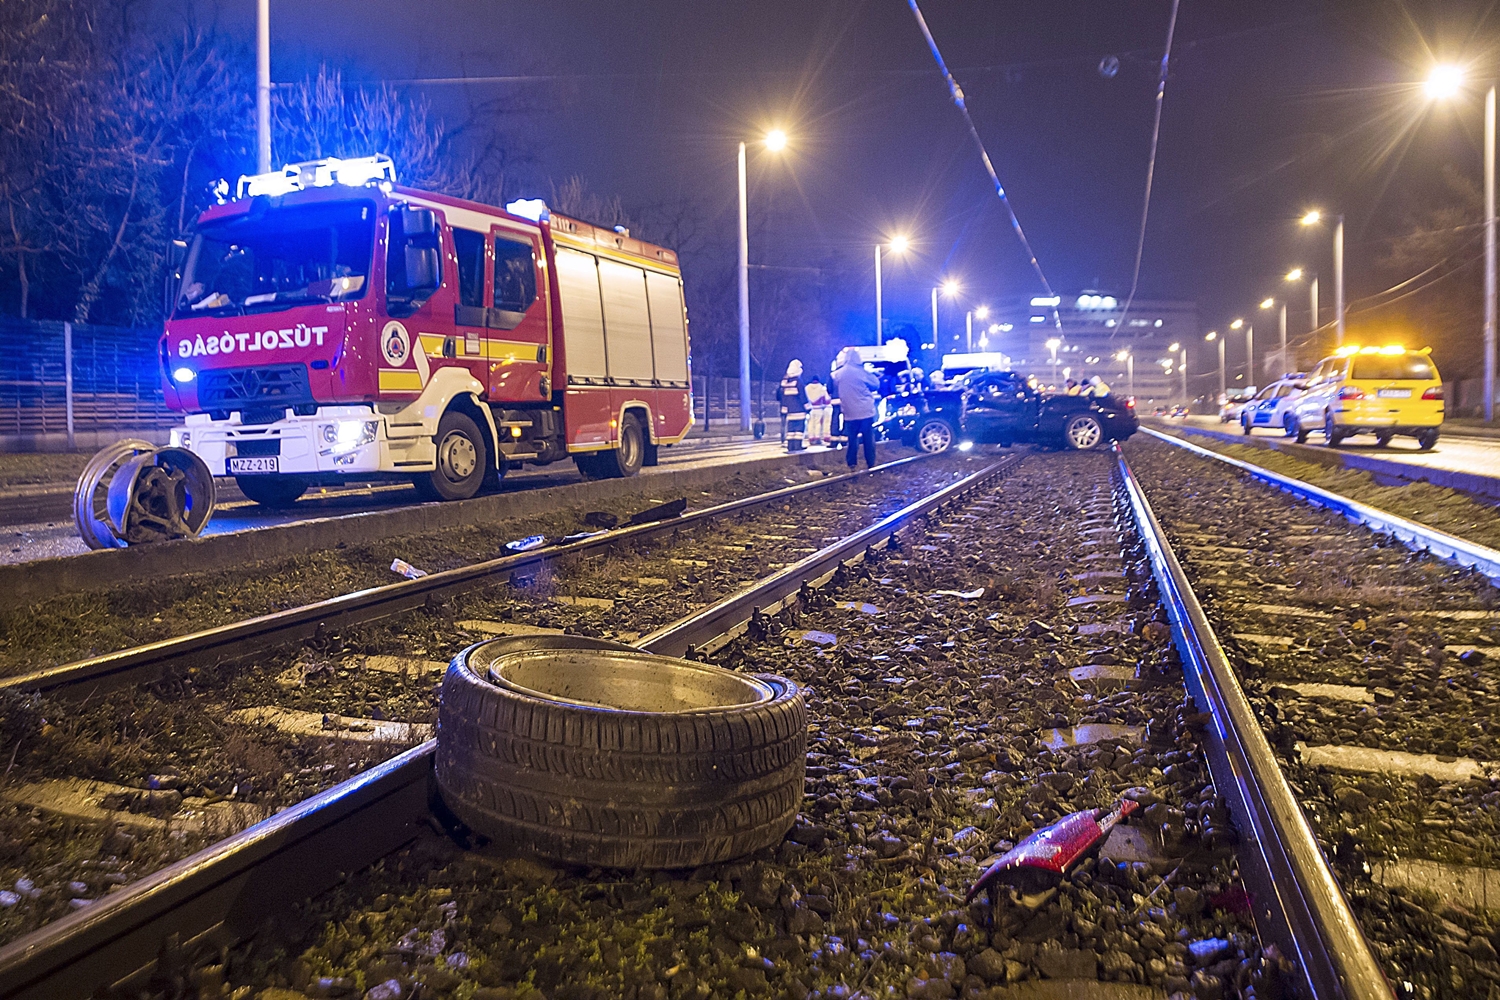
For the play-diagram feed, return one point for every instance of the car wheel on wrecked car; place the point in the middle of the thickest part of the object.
(1083, 432)
(934, 435)
(592, 752)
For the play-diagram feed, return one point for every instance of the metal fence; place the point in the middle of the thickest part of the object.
(60, 379)
(716, 401)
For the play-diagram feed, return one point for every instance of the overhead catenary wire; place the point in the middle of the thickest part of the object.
(958, 98)
(1161, 94)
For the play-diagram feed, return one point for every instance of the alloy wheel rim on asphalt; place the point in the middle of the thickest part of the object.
(1084, 433)
(935, 437)
(458, 457)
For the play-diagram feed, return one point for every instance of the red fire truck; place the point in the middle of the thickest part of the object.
(329, 323)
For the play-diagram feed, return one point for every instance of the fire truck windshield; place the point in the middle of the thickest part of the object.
(269, 260)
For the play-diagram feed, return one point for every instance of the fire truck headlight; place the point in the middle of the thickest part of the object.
(346, 435)
(182, 376)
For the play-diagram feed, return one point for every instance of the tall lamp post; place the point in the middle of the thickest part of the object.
(949, 288)
(1446, 81)
(1311, 219)
(263, 87)
(1249, 349)
(1129, 358)
(1267, 304)
(775, 141)
(898, 244)
(983, 312)
(1212, 336)
(1182, 369)
(1296, 274)
(1053, 344)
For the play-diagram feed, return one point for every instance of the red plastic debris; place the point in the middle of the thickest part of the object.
(1044, 857)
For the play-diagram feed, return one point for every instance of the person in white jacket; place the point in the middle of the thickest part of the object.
(819, 413)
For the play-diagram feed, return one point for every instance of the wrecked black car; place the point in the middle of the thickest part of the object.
(1007, 408)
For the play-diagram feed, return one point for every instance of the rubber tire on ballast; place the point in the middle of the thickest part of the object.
(620, 789)
(272, 491)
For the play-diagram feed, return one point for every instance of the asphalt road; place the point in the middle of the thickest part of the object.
(1455, 451)
(40, 525)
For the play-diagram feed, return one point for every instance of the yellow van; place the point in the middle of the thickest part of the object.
(1383, 391)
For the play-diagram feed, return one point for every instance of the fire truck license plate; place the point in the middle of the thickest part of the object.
(253, 464)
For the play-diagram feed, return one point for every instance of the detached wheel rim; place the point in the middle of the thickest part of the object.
(1084, 433)
(457, 457)
(934, 437)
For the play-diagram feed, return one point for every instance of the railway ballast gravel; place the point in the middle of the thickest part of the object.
(1006, 665)
(1373, 669)
(101, 791)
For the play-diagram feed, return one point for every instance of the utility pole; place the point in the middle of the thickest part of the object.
(1338, 277)
(879, 322)
(934, 318)
(1285, 362)
(263, 86)
(744, 299)
(1489, 255)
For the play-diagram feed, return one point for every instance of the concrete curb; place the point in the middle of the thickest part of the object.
(94, 571)
(1386, 473)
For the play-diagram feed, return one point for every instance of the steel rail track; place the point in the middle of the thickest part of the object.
(228, 891)
(153, 661)
(1296, 898)
(1410, 533)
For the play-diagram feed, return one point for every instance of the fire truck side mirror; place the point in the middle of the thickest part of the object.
(421, 270)
(418, 222)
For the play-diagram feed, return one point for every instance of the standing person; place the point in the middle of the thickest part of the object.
(792, 413)
(819, 412)
(857, 397)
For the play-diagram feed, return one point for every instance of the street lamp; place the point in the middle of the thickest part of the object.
(1249, 329)
(1053, 343)
(1443, 82)
(1182, 369)
(983, 312)
(1267, 304)
(898, 244)
(775, 141)
(1129, 359)
(1296, 274)
(1211, 336)
(1312, 219)
(950, 288)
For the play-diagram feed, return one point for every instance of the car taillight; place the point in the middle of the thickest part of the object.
(1436, 392)
(1130, 402)
(1350, 392)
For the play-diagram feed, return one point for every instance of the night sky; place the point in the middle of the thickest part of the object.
(1272, 107)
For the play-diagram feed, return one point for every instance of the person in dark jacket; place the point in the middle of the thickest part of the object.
(856, 389)
(793, 411)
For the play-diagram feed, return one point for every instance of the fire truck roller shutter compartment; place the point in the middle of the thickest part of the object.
(627, 326)
(668, 334)
(583, 315)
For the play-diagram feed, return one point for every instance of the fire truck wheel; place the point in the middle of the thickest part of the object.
(272, 491)
(592, 752)
(617, 463)
(461, 460)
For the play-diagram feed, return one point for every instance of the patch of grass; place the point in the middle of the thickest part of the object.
(29, 469)
(1448, 510)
